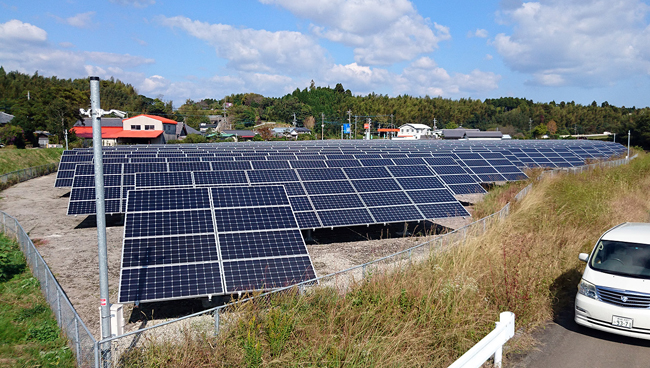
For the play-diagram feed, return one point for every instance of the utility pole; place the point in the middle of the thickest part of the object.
(294, 119)
(65, 132)
(95, 113)
(614, 137)
(530, 124)
(355, 126)
(628, 145)
(392, 125)
(322, 126)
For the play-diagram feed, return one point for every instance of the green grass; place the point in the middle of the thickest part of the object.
(12, 159)
(431, 313)
(29, 335)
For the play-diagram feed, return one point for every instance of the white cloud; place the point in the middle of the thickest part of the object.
(67, 45)
(381, 32)
(253, 50)
(481, 33)
(17, 33)
(488, 57)
(425, 77)
(122, 60)
(579, 42)
(82, 20)
(155, 83)
(134, 3)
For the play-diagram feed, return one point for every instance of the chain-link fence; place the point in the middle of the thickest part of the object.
(109, 352)
(9, 179)
(81, 341)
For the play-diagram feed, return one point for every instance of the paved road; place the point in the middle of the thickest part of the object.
(568, 345)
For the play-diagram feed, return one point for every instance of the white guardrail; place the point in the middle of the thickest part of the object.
(491, 345)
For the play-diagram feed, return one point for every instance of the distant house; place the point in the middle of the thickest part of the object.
(204, 127)
(414, 131)
(43, 138)
(144, 129)
(239, 134)
(5, 118)
(182, 130)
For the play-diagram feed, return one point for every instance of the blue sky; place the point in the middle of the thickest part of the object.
(562, 50)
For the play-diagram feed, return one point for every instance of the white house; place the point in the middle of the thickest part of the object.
(414, 131)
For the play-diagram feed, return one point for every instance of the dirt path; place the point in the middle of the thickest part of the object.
(69, 245)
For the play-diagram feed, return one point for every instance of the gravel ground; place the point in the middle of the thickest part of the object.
(69, 246)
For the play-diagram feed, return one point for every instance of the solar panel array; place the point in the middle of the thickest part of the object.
(194, 242)
(524, 153)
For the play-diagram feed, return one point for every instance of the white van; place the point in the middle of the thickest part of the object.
(614, 293)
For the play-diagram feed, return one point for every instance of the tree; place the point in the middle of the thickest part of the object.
(309, 122)
(539, 130)
(551, 126)
(265, 133)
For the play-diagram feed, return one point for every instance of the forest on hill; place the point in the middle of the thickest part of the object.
(53, 105)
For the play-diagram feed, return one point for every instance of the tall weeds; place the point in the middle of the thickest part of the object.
(432, 312)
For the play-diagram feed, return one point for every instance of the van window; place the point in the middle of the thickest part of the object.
(621, 258)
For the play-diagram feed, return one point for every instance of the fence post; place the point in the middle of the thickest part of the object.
(77, 343)
(216, 321)
(58, 306)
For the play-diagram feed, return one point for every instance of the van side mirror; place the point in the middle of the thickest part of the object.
(584, 257)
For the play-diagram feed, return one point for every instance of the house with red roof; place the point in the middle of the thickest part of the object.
(141, 129)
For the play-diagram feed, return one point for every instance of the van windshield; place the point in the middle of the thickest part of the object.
(621, 258)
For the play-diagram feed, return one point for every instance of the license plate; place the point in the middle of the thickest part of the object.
(621, 322)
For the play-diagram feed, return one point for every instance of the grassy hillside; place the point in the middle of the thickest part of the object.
(16, 159)
(431, 313)
(29, 335)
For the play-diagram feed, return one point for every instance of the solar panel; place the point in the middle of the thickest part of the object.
(194, 242)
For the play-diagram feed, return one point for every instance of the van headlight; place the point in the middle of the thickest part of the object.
(587, 289)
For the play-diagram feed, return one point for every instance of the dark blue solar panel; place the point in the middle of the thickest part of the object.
(231, 165)
(457, 179)
(367, 172)
(168, 199)
(377, 162)
(144, 167)
(142, 252)
(430, 182)
(169, 282)
(443, 210)
(167, 223)
(67, 166)
(440, 161)
(377, 185)
(307, 220)
(307, 164)
(328, 187)
(409, 161)
(356, 216)
(63, 183)
(261, 244)
(166, 179)
(396, 213)
(343, 163)
(224, 197)
(260, 274)
(483, 170)
(272, 176)
(459, 189)
(321, 174)
(327, 202)
(385, 199)
(255, 218)
(405, 171)
(267, 165)
(65, 174)
(445, 170)
(220, 177)
(300, 204)
(431, 196)
(515, 177)
(189, 166)
(473, 163)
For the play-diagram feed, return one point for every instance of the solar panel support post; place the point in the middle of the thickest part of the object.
(95, 113)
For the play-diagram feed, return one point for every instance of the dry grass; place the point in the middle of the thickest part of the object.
(432, 312)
